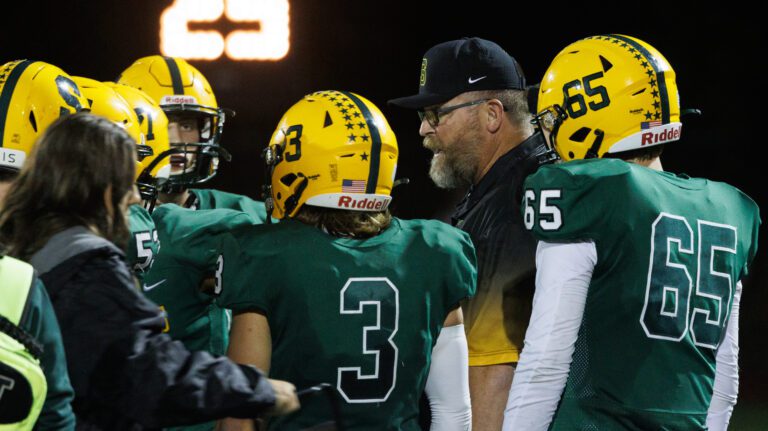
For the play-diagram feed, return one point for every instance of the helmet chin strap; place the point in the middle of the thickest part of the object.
(272, 155)
(269, 205)
(545, 154)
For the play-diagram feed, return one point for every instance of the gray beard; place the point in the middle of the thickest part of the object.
(447, 175)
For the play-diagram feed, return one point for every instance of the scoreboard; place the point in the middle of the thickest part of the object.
(262, 29)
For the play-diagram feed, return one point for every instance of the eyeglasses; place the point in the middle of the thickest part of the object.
(433, 115)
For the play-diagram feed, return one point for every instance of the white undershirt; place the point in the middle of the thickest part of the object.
(726, 388)
(564, 271)
(448, 382)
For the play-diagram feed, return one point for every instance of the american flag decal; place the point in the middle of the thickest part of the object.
(648, 124)
(353, 186)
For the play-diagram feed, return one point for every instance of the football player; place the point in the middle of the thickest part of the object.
(635, 315)
(341, 292)
(195, 126)
(183, 278)
(152, 170)
(139, 119)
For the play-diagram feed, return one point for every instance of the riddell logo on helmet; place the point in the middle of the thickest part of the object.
(660, 135)
(372, 204)
(177, 99)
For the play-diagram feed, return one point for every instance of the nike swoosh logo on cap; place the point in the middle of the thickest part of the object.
(472, 81)
(152, 286)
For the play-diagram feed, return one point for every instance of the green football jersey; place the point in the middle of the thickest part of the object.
(143, 244)
(213, 199)
(194, 316)
(361, 315)
(190, 253)
(670, 250)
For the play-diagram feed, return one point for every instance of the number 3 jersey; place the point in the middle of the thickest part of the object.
(670, 250)
(361, 315)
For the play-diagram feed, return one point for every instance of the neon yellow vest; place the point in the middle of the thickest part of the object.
(22, 382)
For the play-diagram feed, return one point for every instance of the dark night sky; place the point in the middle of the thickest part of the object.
(375, 49)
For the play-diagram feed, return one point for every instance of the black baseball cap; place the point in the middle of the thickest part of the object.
(457, 66)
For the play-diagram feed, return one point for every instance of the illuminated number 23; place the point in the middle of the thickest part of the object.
(270, 42)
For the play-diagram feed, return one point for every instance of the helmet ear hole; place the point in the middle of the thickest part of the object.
(580, 135)
(33, 121)
(288, 179)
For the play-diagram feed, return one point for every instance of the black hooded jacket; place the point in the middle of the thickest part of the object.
(127, 374)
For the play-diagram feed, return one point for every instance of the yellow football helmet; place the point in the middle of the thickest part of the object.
(154, 164)
(608, 94)
(33, 94)
(332, 149)
(182, 91)
(105, 102)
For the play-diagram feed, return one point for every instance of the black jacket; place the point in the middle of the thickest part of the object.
(491, 214)
(126, 373)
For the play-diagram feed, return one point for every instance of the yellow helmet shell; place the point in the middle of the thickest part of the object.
(336, 150)
(619, 94)
(33, 94)
(105, 102)
(169, 81)
(153, 124)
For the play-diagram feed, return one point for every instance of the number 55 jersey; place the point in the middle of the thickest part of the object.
(360, 314)
(670, 252)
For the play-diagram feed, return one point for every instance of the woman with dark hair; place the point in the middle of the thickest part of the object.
(65, 213)
(79, 176)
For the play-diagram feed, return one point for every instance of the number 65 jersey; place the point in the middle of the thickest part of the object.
(670, 250)
(360, 314)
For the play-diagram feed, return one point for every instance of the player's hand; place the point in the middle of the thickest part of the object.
(286, 400)
(208, 286)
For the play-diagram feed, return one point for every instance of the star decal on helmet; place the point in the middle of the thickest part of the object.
(335, 163)
(348, 111)
(646, 65)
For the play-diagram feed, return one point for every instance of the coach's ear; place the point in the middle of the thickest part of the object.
(494, 115)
